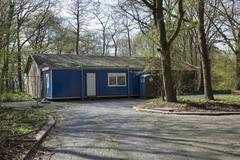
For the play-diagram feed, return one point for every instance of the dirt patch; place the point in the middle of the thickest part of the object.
(14, 146)
(17, 130)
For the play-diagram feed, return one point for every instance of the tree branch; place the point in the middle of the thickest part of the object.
(179, 24)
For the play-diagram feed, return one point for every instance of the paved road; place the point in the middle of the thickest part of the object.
(111, 130)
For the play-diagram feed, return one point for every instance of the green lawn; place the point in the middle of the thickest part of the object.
(231, 100)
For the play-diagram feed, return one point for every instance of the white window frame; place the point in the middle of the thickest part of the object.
(117, 75)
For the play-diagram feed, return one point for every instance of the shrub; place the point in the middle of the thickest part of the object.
(16, 97)
(223, 73)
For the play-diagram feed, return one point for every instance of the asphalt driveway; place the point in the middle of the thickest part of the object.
(111, 130)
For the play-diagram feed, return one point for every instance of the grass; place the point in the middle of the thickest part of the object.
(228, 100)
(22, 121)
(16, 97)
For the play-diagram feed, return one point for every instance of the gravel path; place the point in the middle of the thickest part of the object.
(111, 130)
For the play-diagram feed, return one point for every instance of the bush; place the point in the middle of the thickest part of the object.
(16, 97)
(223, 73)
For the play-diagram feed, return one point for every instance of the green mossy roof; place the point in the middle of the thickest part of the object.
(75, 61)
(68, 61)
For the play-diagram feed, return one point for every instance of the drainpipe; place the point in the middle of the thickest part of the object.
(82, 83)
(0, 94)
(129, 91)
(37, 89)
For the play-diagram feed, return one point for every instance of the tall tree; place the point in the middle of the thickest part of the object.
(204, 52)
(103, 19)
(115, 33)
(5, 70)
(128, 28)
(25, 10)
(45, 26)
(128, 25)
(157, 9)
(78, 10)
(227, 25)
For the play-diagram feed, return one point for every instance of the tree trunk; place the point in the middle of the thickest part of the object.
(191, 48)
(129, 42)
(104, 42)
(237, 53)
(165, 55)
(204, 53)
(5, 70)
(200, 86)
(167, 77)
(115, 46)
(19, 61)
(238, 69)
(78, 33)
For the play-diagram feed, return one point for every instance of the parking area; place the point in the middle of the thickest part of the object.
(112, 130)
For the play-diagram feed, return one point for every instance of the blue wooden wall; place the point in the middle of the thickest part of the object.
(67, 83)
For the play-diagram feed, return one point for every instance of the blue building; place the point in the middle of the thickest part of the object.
(55, 77)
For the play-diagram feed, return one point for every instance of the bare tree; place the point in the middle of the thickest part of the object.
(103, 19)
(78, 10)
(115, 31)
(127, 25)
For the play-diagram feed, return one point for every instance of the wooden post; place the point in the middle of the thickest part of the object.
(0, 93)
(129, 89)
(37, 90)
(82, 83)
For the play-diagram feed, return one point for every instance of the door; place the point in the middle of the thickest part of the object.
(151, 89)
(91, 84)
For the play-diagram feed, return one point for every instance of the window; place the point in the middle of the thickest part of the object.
(116, 79)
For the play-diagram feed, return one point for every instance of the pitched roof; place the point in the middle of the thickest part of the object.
(68, 61)
(75, 61)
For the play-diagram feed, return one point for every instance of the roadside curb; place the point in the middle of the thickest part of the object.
(187, 113)
(40, 137)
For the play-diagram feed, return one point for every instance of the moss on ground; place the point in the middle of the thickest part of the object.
(22, 121)
(17, 130)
